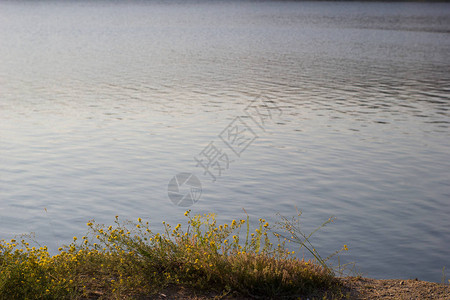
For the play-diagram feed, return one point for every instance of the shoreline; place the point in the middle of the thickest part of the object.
(201, 260)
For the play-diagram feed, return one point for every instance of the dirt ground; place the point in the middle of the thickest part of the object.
(356, 288)
(366, 288)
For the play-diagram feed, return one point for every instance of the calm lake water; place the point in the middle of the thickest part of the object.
(102, 103)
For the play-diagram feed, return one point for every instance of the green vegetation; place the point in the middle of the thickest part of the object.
(127, 261)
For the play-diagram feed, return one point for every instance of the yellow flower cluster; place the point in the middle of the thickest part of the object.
(123, 258)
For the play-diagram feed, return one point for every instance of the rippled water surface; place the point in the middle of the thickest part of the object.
(102, 103)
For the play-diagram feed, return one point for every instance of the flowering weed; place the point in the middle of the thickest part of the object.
(128, 260)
